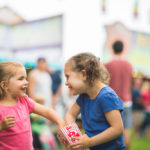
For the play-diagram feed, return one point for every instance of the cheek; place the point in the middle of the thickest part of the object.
(12, 87)
(77, 82)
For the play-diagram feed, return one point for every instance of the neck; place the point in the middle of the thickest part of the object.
(41, 69)
(119, 56)
(94, 91)
(7, 100)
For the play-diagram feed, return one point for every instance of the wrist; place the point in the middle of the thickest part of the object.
(61, 123)
(91, 142)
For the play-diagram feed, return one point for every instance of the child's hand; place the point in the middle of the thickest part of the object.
(7, 122)
(82, 142)
(60, 125)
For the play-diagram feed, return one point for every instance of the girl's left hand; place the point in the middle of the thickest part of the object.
(82, 142)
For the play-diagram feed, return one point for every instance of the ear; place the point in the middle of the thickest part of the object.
(84, 74)
(3, 84)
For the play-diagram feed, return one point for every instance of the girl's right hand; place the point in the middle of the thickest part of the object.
(7, 122)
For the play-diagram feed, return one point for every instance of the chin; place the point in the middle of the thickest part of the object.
(75, 93)
(23, 95)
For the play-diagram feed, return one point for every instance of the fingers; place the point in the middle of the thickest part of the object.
(10, 116)
(76, 146)
(9, 121)
(10, 124)
(75, 138)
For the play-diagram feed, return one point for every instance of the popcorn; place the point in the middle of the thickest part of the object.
(67, 132)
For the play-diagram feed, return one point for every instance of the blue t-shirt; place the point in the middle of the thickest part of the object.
(93, 116)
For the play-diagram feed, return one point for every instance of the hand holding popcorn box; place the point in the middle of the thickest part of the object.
(67, 132)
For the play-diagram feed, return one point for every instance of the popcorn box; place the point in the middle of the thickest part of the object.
(67, 132)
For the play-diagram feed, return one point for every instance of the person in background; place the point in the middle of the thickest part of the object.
(121, 81)
(40, 82)
(15, 107)
(137, 106)
(56, 88)
(101, 109)
(146, 100)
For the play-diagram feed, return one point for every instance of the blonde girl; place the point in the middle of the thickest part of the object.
(15, 107)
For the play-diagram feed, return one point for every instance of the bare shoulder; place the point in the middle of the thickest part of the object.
(32, 74)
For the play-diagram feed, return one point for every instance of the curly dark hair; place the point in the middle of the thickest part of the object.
(91, 64)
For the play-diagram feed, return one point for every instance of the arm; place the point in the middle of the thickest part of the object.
(48, 113)
(49, 70)
(72, 113)
(31, 85)
(116, 129)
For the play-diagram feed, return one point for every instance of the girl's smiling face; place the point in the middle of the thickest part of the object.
(17, 85)
(74, 80)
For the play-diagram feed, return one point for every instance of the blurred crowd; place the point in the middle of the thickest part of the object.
(141, 106)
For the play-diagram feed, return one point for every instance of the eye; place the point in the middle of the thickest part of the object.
(67, 76)
(20, 78)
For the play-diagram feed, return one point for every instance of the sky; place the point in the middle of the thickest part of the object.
(30, 9)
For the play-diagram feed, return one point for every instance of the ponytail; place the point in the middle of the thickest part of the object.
(104, 74)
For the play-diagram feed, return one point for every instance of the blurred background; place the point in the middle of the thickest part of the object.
(58, 29)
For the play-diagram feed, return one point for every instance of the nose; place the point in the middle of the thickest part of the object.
(26, 82)
(66, 83)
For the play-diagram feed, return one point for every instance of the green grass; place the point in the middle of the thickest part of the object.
(139, 143)
(61, 148)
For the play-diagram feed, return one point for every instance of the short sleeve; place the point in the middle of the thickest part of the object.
(29, 103)
(79, 100)
(111, 102)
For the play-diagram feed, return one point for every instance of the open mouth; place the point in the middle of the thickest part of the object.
(24, 89)
(70, 87)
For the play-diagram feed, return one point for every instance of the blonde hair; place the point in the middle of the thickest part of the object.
(91, 64)
(7, 70)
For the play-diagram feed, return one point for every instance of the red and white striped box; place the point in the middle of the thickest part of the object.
(67, 132)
